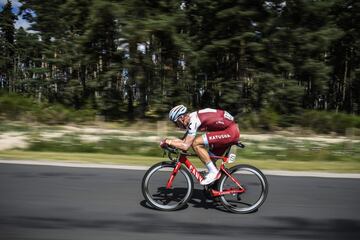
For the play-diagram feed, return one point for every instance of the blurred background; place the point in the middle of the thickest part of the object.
(92, 81)
(95, 79)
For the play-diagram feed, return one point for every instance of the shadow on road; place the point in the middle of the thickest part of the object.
(199, 199)
(279, 227)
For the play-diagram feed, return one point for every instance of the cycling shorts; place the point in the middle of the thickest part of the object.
(219, 141)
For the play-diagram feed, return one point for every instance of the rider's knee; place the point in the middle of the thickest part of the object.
(197, 144)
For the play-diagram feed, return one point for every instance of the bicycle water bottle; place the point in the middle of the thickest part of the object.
(231, 158)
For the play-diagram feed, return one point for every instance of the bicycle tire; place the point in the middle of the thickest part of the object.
(253, 177)
(162, 191)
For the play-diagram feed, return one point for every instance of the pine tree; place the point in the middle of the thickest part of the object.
(28, 53)
(135, 58)
(344, 86)
(7, 48)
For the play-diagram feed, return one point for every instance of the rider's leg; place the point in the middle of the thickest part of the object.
(219, 141)
(199, 147)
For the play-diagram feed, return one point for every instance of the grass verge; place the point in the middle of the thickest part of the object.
(325, 166)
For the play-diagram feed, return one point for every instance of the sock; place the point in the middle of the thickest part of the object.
(211, 167)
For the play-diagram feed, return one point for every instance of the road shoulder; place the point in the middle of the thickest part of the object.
(142, 168)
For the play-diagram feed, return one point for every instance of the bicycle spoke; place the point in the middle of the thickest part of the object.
(158, 195)
(251, 181)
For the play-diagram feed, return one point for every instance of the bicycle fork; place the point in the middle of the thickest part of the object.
(173, 175)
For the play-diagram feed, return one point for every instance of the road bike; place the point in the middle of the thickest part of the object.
(168, 185)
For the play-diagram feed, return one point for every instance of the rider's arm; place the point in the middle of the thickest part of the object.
(184, 144)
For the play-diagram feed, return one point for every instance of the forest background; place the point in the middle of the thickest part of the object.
(94, 80)
(272, 64)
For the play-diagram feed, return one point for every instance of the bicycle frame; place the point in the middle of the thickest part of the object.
(193, 170)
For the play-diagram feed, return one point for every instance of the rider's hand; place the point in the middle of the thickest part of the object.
(163, 143)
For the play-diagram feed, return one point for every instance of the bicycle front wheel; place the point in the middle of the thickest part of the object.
(253, 183)
(155, 191)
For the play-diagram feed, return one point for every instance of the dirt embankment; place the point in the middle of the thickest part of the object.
(21, 140)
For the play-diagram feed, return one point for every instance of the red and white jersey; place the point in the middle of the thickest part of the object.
(209, 119)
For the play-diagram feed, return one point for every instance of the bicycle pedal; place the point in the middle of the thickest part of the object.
(210, 187)
(207, 188)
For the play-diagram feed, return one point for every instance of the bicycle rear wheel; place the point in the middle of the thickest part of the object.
(154, 187)
(255, 189)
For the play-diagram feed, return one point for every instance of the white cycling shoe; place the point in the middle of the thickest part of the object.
(210, 178)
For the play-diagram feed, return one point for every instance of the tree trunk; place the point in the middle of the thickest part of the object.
(343, 95)
(131, 77)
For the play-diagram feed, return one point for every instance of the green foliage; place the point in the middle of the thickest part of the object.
(56, 114)
(71, 143)
(281, 149)
(267, 119)
(318, 121)
(326, 122)
(17, 107)
(287, 97)
(136, 59)
(287, 149)
(7, 39)
(13, 106)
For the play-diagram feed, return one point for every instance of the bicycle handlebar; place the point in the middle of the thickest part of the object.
(172, 150)
(169, 149)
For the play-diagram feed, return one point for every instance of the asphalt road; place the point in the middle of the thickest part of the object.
(43, 202)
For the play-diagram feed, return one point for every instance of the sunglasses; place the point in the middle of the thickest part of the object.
(180, 124)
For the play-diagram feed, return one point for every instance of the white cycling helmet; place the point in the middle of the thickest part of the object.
(176, 112)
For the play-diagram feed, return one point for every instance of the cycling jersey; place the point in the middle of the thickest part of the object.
(209, 120)
(220, 127)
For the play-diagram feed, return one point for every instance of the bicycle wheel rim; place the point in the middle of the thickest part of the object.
(161, 198)
(255, 186)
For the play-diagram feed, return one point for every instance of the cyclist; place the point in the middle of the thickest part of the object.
(221, 131)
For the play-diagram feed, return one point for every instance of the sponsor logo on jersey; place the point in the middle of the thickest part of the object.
(222, 136)
(220, 122)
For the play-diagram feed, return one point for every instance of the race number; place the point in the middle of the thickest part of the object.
(228, 116)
